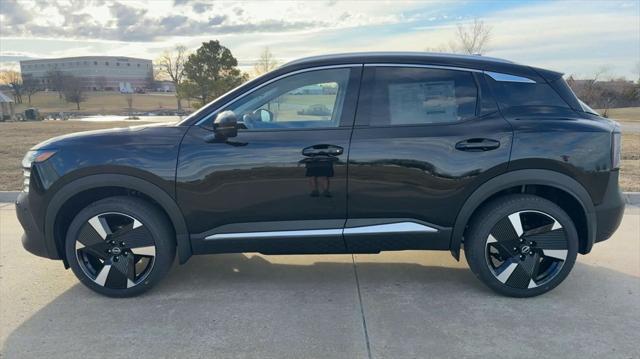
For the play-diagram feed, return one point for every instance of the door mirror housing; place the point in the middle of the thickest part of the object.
(225, 125)
(264, 115)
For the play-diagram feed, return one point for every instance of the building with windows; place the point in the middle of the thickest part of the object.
(96, 72)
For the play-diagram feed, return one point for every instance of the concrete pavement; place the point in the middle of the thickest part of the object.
(393, 305)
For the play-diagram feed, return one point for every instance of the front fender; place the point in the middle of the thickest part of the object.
(143, 186)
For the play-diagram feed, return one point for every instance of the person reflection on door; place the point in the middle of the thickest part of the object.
(319, 170)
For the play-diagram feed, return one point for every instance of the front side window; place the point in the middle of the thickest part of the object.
(415, 96)
(307, 100)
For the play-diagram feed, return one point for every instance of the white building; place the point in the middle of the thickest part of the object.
(96, 72)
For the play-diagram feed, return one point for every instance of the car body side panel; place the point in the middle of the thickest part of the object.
(416, 171)
(565, 142)
(106, 152)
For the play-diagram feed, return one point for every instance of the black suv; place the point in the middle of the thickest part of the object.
(352, 153)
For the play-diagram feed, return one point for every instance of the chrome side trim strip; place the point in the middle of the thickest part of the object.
(498, 76)
(437, 67)
(401, 227)
(221, 108)
(508, 78)
(283, 234)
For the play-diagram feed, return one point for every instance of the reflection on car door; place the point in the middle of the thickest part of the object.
(280, 186)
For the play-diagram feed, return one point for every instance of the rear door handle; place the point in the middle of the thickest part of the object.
(477, 145)
(322, 150)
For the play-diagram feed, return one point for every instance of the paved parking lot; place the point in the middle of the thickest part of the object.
(394, 305)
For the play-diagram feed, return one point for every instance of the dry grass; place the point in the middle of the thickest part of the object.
(17, 137)
(624, 114)
(630, 166)
(105, 103)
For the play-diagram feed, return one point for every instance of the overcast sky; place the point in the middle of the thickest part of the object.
(571, 37)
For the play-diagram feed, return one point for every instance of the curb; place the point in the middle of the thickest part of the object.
(8, 196)
(632, 198)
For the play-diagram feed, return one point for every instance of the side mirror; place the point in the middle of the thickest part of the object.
(225, 125)
(264, 115)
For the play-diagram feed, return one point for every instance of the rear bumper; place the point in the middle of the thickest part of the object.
(33, 239)
(610, 211)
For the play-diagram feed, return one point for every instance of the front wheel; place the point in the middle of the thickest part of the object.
(120, 246)
(521, 245)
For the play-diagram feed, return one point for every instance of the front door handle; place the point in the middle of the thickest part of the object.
(477, 145)
(322, 150)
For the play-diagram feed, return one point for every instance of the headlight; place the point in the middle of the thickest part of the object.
(30, 158)
(36, 156)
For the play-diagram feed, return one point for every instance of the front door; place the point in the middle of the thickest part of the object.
(423, 140)
(280, 186)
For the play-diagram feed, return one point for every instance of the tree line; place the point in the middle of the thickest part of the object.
(68, 87)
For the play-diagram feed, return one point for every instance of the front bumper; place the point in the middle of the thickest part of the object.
(610, 211)
(33, 239)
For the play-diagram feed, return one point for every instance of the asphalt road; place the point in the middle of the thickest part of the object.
(394, 305)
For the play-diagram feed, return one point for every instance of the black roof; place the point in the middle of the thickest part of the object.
(439, 59)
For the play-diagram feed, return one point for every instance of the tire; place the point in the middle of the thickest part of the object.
(120, 246)
(521, 245)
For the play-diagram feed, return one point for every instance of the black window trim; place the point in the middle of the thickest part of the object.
(342, 126)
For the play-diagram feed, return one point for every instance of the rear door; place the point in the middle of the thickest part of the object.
(424, 138)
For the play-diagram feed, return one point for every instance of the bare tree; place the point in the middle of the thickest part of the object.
(266, 62)
(129, 98)
(73, 91)
(30, 86)
(472, 39)
(57, 81)
(14, 80)
(171, 64)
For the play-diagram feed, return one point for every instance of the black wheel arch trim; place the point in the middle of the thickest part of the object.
(520, 178)
(167, 203)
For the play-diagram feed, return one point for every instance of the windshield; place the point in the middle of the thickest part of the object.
(587, 109)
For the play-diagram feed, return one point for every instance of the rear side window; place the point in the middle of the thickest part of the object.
(512, 94)
(415, 96)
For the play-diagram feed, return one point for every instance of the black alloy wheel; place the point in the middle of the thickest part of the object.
(521, 245)
(526, 249)
(120, 246)
(115, 250)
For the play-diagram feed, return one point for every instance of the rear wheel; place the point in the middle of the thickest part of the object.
(120, 246)
(521, 245)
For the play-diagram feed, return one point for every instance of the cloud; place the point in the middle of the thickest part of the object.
(201, 7)
(140, 22)
(13, 13)
(127, 15)
(563, 35)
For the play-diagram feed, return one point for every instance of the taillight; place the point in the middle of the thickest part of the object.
(616, 149)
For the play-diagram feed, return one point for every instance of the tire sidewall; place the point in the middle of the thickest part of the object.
(497, 210)
(145, 214)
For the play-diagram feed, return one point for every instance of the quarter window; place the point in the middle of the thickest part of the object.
(415, 96)
(514, 94)
(308, 100)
